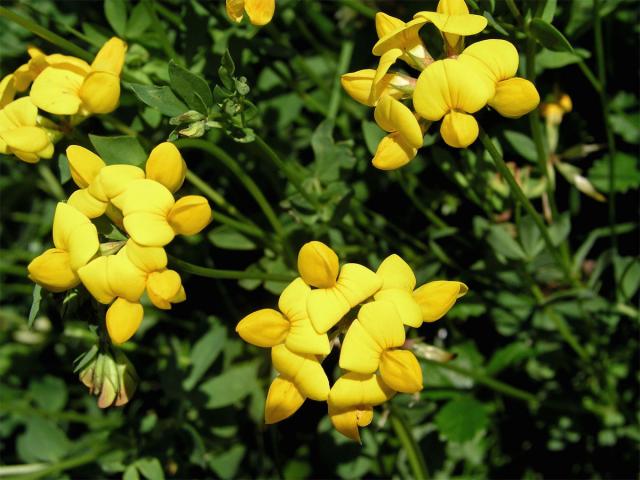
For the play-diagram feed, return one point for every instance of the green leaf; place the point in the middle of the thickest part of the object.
(161, 98)
(150, 468)
(549, 10)
(530, 237)
(226, 464)
(42, 440)
(118, 150)
(231, 386)
(372, 135)
(330, 156)
(63, 168)
(190, 87)
(131, 473)
(228, 238)
(49, 393)
(461, 419)
(509, 355)
(627, 126)
(548, 59)
(35, 304)
(522, 144)
(560, 228)
(204, 353)
(504, 244)
(627, 174)
(116, 13)
(139, 21)
(549, 36)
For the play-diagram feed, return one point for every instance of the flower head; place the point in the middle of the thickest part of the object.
(20, 133)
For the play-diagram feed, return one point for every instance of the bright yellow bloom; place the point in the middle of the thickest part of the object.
(76, 241)
(393, 152)
(338, 289)
(28, 72)
(347, 420)
(20, 134)
(260, 12)
(393, 116)
(428, 303)
(359, 86)
(371, 343)
(123, 320)
(268, 327)
(283, 400)
(166, 166)
(76, 87)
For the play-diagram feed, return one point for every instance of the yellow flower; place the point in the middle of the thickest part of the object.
(76, 241)
(553, 111)
(497, 62)
(453, 90)
(393, 152)
(372, 342)
(347, 420)
(268, 327)
(123, 320)
(260, 12)
(152, 217)
(20, 134)
(166, 166)
(74, 86)
(7, 90)
(301, 377)
(338, 289)
(393, 116)
(427, 303)
(359, 86)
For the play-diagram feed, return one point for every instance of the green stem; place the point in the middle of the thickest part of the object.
(227, 274)
(604, 103)
(68, 464)
(52, 182)
(360, 8)
(487, 381)
(590, 76)
(63, 416)
(409, 444)
(519, 195)
(10, 470)
(46, 34)
(291, 176)
(511, 5)
(336, 92)
(567, 334)
(422, 208)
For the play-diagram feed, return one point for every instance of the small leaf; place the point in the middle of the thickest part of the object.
(627, 174)
(150, 468)
(139, 20)
(131, 473)
(119, 150)
(63, 168)
(231, 386)
(35, 305)
(509, 355)
(549, 36)
(372, 135)
(192, 89)
(228, 238)
(461, 419)
(116, 13)
(204, 353)
(42, 440)
(530, 238)
(522, 144)
(504, 244)
(161, 98)
(549, 10)
(226, 464)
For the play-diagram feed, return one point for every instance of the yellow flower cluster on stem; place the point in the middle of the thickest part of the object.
(141, 204)
(60, 85)
(316, 307)
(449, 89)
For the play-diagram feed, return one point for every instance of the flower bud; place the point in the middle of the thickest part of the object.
(111, 377)
(515, 97)
(110, 58)
(84, 165)
(190, 215)
(166, 165)
(123, 320)
(318, 265)
(128, 378)
(393, 152)
(165, 288)
(52, 270)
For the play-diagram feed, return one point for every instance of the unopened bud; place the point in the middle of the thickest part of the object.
(187, 117)
(111, 248)
(196, 129)
(111, 377)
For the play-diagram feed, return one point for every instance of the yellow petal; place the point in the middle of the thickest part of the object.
(26, 139)
(318, 264)
(452, 7)
(19, 113)
(148, 229)
(303, 370)
(100, 92)
(347, 421)
(84, 165)
(263, 328)
(260, 12)
(406, 305)
(302, 337)
(385, 24)
(464, 25)
(378, 83)
(393, 152)
(7, 90)
(235, 10)
(94, 278)
(74, 232)
(515, 97)
(497, 59)
(162, 287)
(57, 90)
(52, 271)
(449, 85)
(190, 215)
(113, 180)
(110, 58)
(459, 130)
(126, 280)
(123, 320)
(28, 157)
(358, 85)
(357, 283)
(87, 204)
(354, 390)
(326, 307)
(436, 298)
(359, 352)
(166, 165)
(401, 371)
(145, 205)
(382, 322)
(403, 38)
(283, 400)
(147, 259)
(396, 273)
(392, 115)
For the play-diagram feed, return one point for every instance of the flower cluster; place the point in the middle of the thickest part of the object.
(449, 89)
(139, 203)
(60, 85)
(314, 311)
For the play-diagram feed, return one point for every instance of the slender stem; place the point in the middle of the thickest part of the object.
(492, 383)
(50, 179)
(411, 448)
(511, 5)
(7, 470)
(360, 8)
(336, 92)
(228, 274)
(519, 195)
(590, 76)
(422, 208)
(46, 34)
(604, 103)
(68, 464)
(566, 333)
(291, 176)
